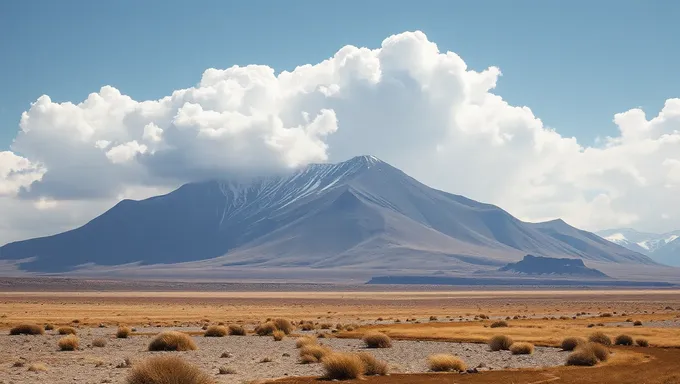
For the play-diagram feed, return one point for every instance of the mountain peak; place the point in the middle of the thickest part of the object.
(365, 160)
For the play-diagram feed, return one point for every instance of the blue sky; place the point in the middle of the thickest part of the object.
(574, 63)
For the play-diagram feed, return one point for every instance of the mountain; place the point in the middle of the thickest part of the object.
(663, 248)
(350, 219)
(537, 265)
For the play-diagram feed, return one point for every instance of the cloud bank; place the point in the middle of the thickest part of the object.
(406, 102)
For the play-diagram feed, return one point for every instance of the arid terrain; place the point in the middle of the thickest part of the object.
(420, 323)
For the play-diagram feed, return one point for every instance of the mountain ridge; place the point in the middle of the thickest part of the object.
(360, 213)
(662, 247)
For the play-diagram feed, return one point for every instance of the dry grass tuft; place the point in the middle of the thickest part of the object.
(66, 331)
(500, 342)
(570, 343)
(278, 335)
(265, 329)
(582, 357)
(443, 362)
(642, 342)
(377, 340)
(167, 370)
(226, 371)
(99, 342)
(284, 325)
(305, 340)
(49, 327)
(623, 340)
(316, 351)
(216, 331)
(600, 351)
(236, 330)
(373, 366)
(342, 366)
(307, 326)
(637, 323)
(27, 329)
(37, 367)
(522, 348)
(499, 324)
(172, 341)
(123, 332)
(69, 343)
(600, 338)
(308, 359)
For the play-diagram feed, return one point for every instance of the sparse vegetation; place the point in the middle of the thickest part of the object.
(623, 340)
(49, 327)
(99, 342)
(278, 335)
(172, 341)
(499, 324)
(606, 314)
(123, 332)
(27, 329)
(167, 370)
(66, 331)
(216, 331)
(377, 340)
(307, 326)
(373, 366)
(226, 370)
(265, 329)
(500, 343)
(600, 351)
(522, 348)
(600, 338)
(443, 362)
(315, 351)
(69, 343)
(236, 330)
(637, 323)
(642, 342)
(342, 366)
(570, 343)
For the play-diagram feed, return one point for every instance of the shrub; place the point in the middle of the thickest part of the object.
(433, 318)
(226, 370)
(172, 341)
(582, 357)
(377, 340)
(642, 342)
(265, 329)
(316, 351)
(284, 325)
(305, 340)
(342, 366)
(600, 338)
(499, 324)
(236, 330)
(623, 340)
(166, 370)
(278, 335)
(37, 367)
(522, 348)
(27, 329)
(69, 343)
(637, 323)
(500, 342)
(325, 325)
(307, 326)
(49, 327)
(570, 343)
(600, 351)
(372, 366)
(99, 342)
(123, 332)
(606, 314)
(215, 331)
(66, 331)
(443, 362)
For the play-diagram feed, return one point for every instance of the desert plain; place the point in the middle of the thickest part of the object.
(420, 321)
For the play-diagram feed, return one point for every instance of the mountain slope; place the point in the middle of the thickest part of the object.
(663, 248)
(361, 213)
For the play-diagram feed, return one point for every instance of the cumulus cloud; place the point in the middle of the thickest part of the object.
(406, 102)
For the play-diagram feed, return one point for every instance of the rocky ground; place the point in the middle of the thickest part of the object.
(100, 365)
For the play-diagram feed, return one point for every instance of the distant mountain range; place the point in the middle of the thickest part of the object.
(663, 248)
(354, 219)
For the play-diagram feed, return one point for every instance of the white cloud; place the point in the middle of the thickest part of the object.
(420, 109)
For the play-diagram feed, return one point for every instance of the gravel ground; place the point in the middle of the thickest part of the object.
(98, 365)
